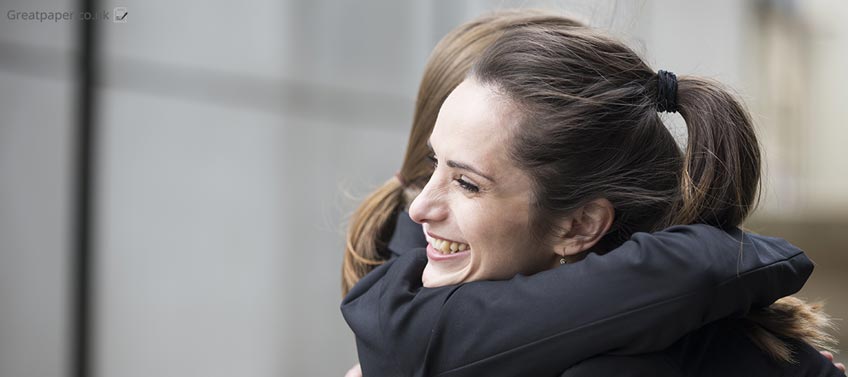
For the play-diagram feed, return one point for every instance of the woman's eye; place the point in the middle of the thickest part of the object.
(434, 160)
(467, 186)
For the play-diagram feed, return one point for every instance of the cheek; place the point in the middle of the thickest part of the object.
(515, 246)
(503, 243)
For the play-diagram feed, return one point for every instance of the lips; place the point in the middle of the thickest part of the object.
(436, 256)
(443, 250)
(446, 246)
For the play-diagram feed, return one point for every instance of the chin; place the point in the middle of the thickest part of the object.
(433, 279)
(430, 281)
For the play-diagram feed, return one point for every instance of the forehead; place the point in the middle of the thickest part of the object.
(474, 123)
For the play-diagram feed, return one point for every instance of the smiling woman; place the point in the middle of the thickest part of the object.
(478, 197)
(551, 149)
(371, 226)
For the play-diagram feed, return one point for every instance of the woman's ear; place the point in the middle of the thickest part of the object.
(585, 227)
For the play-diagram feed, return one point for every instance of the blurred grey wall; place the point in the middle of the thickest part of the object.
(36, 115)
(236, 137)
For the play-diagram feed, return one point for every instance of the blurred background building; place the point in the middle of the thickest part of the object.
(233, 138)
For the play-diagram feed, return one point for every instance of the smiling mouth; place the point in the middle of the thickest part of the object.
(445, 246)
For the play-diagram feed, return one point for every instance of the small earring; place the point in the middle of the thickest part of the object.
(562, 260)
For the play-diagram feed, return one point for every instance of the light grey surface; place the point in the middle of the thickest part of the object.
(220, 242)
(232, 135)
(34, 220)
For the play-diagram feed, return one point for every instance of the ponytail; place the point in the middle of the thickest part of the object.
(790, 318)
(721, 168)
(720, 185)
(370, 226)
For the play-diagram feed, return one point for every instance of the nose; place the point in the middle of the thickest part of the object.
(429, 206)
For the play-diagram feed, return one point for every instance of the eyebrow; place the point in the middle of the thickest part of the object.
(461, 165)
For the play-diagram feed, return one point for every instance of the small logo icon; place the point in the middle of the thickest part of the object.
(119, 15)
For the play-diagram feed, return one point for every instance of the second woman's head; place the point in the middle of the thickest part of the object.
(553, 147)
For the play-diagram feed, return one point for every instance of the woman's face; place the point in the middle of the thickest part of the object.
(475, 210)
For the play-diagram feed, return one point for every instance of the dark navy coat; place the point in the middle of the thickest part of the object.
(721, 349)
(637, 299)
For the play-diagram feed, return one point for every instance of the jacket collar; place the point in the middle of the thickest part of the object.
(408, 235)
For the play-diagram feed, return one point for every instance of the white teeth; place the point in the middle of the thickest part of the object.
(446, 247)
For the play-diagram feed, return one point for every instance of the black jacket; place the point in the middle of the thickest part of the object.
(639, 298)
(720, 349)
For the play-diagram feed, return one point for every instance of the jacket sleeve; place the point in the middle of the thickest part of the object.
(722, 348)
(638, 298)
(645, 365)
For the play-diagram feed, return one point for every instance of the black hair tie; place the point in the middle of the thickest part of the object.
(666, 92)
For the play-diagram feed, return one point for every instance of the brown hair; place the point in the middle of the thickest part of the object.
(371, 225)
(590, 129)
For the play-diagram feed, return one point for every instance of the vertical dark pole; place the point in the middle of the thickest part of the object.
(83, 262)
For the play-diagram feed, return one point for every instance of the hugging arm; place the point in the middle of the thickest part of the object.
(638, 298)
(722, 348)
